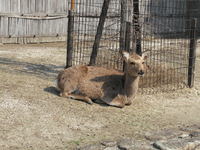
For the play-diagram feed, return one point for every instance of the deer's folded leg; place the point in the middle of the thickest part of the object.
(78, 97)
(118, 101)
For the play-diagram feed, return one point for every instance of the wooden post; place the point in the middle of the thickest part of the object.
(127, 40)
(70, 33)
(136, 28)
(72, 4)
(128, 36)
(99, 32)
(192, 53)
(122, 25)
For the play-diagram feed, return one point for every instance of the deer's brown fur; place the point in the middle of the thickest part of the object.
(108, 85)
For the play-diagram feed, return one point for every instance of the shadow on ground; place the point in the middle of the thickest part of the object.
(41, 70)
(52, 90)
(55, 91)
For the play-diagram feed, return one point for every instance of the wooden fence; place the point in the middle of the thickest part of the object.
(30, 21)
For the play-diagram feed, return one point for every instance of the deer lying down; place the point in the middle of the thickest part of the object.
(112, 87)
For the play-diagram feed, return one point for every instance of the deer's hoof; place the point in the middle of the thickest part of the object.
(62, 94)
(91, 103)
(128, 103)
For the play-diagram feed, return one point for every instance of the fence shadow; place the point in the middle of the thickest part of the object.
(41, 70)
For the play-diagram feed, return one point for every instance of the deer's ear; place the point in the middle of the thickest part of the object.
(144, 56)
(125, 55)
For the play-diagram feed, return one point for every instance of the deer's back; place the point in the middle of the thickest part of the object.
(95, 82)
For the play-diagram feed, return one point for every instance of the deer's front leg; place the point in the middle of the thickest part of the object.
(128, 101)
(118, 101)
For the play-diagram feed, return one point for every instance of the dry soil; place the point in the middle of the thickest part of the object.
(33, 116)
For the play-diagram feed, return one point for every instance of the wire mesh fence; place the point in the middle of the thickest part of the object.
(161, 28)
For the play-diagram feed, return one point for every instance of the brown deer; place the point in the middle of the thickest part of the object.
(112, 87)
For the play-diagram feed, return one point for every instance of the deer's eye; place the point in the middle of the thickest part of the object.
(142, 62)
(132, 63)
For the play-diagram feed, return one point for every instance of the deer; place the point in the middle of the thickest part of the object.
(110, 86)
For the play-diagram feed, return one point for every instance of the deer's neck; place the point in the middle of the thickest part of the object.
(131, 85)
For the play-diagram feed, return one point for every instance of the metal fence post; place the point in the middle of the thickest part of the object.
(123, 25)
(192, 53)
(127, 40)
(70, 33)
(136, 28)
(128, 36)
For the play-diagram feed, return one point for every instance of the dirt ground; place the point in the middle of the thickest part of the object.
(33, 116)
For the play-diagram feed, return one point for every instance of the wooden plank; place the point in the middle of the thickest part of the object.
(24, 7)
(4, 26)
(32, 6)
(34, 16)
(29, 40)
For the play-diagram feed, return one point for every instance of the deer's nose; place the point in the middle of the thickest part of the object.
(141, 72)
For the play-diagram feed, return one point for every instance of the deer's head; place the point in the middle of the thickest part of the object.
(135, 64)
